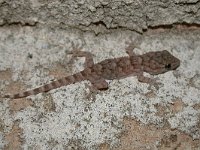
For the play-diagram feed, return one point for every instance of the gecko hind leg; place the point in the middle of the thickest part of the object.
(99, 84)
(76, 52)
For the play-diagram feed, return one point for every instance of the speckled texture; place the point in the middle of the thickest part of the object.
(71, 116)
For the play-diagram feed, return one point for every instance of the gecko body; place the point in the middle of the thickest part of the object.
(152, 62)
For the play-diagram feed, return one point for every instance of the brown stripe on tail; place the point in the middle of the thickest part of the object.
(53, 85)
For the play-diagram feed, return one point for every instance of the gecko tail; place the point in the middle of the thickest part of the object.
(6, 96)
(52, 85)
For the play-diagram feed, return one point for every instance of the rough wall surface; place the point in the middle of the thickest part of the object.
(135, 15)
(35, 37)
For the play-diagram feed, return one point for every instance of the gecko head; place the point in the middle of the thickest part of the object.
(161, 62)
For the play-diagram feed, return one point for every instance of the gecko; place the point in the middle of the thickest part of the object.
(154, 63)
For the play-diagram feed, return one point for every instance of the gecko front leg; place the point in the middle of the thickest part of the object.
(150, 81)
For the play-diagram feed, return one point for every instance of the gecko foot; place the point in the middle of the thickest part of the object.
(76, 52)
(150, 81)
(131, 46)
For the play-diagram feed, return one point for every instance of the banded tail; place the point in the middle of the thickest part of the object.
(53, 85)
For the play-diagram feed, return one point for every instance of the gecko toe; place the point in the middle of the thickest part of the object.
(154, 82)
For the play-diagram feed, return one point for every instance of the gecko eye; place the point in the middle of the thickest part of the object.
(168, 66)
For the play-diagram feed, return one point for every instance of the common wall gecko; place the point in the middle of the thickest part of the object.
(154, 63)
